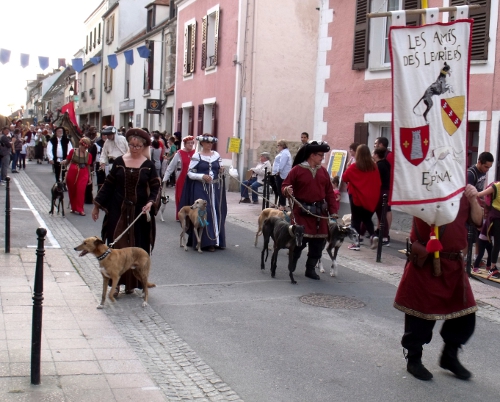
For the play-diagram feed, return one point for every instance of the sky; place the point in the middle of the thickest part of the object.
(51, 28)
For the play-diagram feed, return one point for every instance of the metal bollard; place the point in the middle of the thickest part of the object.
(36, 331)
(383, 222)
(7, 215)
(264, 190)
(268, 187)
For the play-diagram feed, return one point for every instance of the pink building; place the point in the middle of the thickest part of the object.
(356, 75)
(246, 70)
(205, 73)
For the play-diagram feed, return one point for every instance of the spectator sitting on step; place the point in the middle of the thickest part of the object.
(256, 180)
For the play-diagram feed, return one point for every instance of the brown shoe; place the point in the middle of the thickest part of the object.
(245, 201)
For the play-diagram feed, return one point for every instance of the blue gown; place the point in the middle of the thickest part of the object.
(215, 195)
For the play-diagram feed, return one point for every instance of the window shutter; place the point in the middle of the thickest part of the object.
(480, 28)
(112, 36)
(110, 78)
(179, 120)
(214, 124)
(204, 27)
(186, 44)
(201, 112)
(106, 78)
(193, 46)
(361, 133)
(361, 36)
(216, 36)
(412, 20)
(191, 121)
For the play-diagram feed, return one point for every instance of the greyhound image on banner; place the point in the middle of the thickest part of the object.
(430, 86)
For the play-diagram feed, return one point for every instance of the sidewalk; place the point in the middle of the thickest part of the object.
(123, 352)
(83, 355)
(389, 270)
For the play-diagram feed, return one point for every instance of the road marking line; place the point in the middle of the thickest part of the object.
(42, 223)
(21, 209)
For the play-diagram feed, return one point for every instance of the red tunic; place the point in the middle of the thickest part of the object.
(309, 186)
(444, 297)
(179, 184)
(77, 180)
(363, 186)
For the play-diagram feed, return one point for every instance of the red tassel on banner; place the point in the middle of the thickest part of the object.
(433, 244)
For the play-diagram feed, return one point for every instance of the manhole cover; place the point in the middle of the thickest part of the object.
(330, 301)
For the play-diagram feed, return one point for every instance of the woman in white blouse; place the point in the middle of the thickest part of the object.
(205, 180)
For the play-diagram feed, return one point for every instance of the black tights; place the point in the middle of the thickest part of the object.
(496, 241)
(483, 245)
(360, 215)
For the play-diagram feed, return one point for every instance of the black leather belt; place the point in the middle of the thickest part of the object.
(451, 256)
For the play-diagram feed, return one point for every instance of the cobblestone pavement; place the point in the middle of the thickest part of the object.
(170, 362)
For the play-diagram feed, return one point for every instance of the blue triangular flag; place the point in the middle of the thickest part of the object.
(44, 62)
(112, 61)
(25, 60)
(129, 56)
(143, 52)
(4, 56)
(95, 60)
(77, 64)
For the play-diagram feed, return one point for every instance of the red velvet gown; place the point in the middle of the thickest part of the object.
(179, 181)
(443, 297)
(77, 179)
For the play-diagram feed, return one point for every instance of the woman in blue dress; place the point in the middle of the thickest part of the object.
(205, 180)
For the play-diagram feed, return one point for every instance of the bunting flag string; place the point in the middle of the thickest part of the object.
(77, 63)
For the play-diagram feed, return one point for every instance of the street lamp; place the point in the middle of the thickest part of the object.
(71, 91)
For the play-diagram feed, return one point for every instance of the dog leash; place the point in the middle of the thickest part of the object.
(291, 198)
(148, 217)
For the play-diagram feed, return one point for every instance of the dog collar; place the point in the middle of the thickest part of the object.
(290, 227)
(103, 256)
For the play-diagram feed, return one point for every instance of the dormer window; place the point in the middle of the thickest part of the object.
(151, 18)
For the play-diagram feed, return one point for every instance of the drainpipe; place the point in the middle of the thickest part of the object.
(161, 73)
(102, 70)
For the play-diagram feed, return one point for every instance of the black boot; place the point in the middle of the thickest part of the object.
(310, 271)
(449, 361)
(415, 366)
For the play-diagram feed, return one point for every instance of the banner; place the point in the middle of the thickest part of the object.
(430, 87)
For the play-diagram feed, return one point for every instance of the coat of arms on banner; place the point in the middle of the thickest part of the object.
(452, 113)
(430, 77)
(415, 143)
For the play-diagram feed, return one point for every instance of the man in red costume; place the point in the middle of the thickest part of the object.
(310, 184)
(180, 164)
(425, 298)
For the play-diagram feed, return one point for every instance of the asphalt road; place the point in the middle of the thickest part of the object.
(269, 346)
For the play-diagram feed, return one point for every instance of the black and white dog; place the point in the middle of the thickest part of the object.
(284, 236)
(336, 235)
(57, 192)
(165, 199)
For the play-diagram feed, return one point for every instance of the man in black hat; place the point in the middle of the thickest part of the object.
(310, 184)
(58, 149)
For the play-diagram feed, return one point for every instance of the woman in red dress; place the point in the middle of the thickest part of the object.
(180, 164)
(78, 175)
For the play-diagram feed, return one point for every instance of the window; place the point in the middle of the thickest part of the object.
(149, 72)
(185, 120)
(108, 78)
(370, 47)
(127, 81)
(150, 24)
(99, 37)
(90, 47)
(189, 48)
(210, 39)
(480, 28)
(95, 37)
(110, 29)
(86, 44)
(84, 81)
(472, 142)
